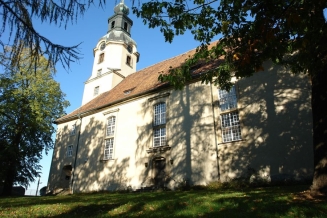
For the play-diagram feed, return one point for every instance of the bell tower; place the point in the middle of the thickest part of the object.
(115, 55)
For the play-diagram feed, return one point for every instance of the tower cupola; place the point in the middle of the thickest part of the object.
(115, 55)
(120, 20)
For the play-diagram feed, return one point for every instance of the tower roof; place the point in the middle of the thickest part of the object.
(119, 36)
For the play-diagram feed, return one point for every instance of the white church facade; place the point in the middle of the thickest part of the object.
(133, 131)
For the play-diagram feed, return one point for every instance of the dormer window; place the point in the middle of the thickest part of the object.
(127, 91)
(112, 24)
(125, 26)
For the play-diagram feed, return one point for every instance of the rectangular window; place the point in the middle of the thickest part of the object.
(99, 72)
(109, 141)
(160, 114)
(109, 148)
(111, 126)
(231, 129)
(96, 91)
(101, 58)
(230, 122)
(69, 151)
(129, 61)
(159, 131)
(227, 100)
(73, 129)
(159, 137)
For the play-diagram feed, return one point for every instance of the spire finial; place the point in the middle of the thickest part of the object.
(121, 8)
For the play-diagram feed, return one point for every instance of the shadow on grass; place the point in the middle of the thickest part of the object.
(259, 202)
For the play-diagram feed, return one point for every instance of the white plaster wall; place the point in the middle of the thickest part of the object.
(115, 54)
(105, 84)
(275, 115)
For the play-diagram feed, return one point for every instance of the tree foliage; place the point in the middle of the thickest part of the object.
(29, 102)
(18, 17)
(251, 31)
(292, 33)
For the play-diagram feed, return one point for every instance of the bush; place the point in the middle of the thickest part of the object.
(43, 191)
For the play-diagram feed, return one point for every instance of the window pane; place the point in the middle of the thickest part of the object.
(109, 148)
(227, 100)
(159, 137)
(69, 151)
(96, 90)
(160, 114)
(231, 130)
(111, 126)
(73, 129)
(99, 72)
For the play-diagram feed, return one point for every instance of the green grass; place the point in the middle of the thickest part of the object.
(256, 202)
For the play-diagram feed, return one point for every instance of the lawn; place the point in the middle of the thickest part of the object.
(285, 201)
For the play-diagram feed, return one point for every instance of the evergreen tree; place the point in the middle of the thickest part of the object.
(17, 17)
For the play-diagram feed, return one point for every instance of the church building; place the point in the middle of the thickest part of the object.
(133, 131)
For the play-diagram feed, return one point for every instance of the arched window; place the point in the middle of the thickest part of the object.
(125, 26)
(112, 24)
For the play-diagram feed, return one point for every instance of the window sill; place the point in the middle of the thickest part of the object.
(105, 160)
(240, 140)
(158, 149)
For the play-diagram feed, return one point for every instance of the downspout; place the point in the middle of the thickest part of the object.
(215, 127)
(79, 134)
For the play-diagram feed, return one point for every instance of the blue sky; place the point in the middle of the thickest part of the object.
(88, 30)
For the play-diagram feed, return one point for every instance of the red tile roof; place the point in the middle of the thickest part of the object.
(139, 83)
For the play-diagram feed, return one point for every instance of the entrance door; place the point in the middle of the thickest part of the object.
(159, 170)
(65, 176)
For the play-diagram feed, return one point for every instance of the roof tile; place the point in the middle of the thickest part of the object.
(142, 81)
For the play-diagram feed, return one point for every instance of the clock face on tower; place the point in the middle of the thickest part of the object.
(102, 46)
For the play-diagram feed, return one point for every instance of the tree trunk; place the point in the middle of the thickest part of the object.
(319, 115)
(13, 163)
(9, 180)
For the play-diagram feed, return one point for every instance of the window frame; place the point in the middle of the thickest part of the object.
(99, 72)
(230, 127)
(101, 58)
(110, 149)
(159, 131)
(229, 116)
(96, 90)
(111, 125)
(129, 60)
(73, 129)
(109, 137)
(69, 151)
